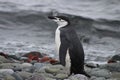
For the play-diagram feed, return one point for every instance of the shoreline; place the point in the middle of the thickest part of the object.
(46, 71)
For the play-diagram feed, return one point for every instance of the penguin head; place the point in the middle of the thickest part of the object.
(60, 20)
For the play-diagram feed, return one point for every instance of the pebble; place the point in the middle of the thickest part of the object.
(37, 77)
(26, 65)
(9, 65)
(17, 76)
(78, 77)
(3, 60)
(39, 65)
(91, 65)
(25, 75)
(116, 75)
(52, 70)
(111, 66)
(97, 78)
(9, 77)
(61, 76)
(100, 73)
(6, 71)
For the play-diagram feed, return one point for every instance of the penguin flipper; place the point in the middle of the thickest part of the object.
(62, 54)
(63, 50)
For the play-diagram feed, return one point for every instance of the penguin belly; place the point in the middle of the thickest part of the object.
(57, 39)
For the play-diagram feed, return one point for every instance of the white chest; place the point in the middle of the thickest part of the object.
(57, 39)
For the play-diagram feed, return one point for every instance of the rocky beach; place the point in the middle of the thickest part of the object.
(34, 70)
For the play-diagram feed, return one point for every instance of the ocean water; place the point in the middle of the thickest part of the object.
(24, 26)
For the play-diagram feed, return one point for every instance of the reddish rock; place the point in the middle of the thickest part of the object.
(33, 56)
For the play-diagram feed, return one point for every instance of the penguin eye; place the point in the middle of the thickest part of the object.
(60, 19)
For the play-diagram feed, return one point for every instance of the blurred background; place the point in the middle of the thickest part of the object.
(24, 26)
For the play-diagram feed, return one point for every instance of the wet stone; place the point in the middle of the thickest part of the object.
(78, 77)
(100, 73)
(116, 75)
(52, 70)
(9, 77)
(61, 76)
(97, 78)
(24, 74)
(111, 67)
(37, 77)
(3, 60)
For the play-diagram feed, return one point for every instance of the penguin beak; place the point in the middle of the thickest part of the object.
(51, 17)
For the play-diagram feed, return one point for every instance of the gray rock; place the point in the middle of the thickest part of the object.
(61, 76)
(52, 70)
(37, 77)
(1, 77)
(57, 67)
(116, 75)
(25, 75)
(48, 75)
(42, 70)
(6, 71)
(39, 65)
(91, 65)
(26, 65)
(9, 65)
(113, 79)
(9, 77)
(49, 78)
(66, 79)
(78, 77)
(17, 76)
(4, 60)
(97, 78)
(100, 73)
(111, 66)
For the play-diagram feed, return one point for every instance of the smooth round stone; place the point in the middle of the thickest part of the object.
(91, 65)
(49, 78)
(100, 73)
(52, 70)
(39, 65)
(17, 76)
(25, 75)
(97, 78)
(4, 60)
(57, 67)
(47, 75)
(61, 76)
(23, 58)
(111, 67)
(6, 71)
(9, 77)
(116, 75)
(25, 65)
(37, 77)
(9, 65)
(78, 77)
(113, 79)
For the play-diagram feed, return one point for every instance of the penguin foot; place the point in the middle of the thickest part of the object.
(87, 75)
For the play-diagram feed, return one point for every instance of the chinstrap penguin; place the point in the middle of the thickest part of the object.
(67, 41)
